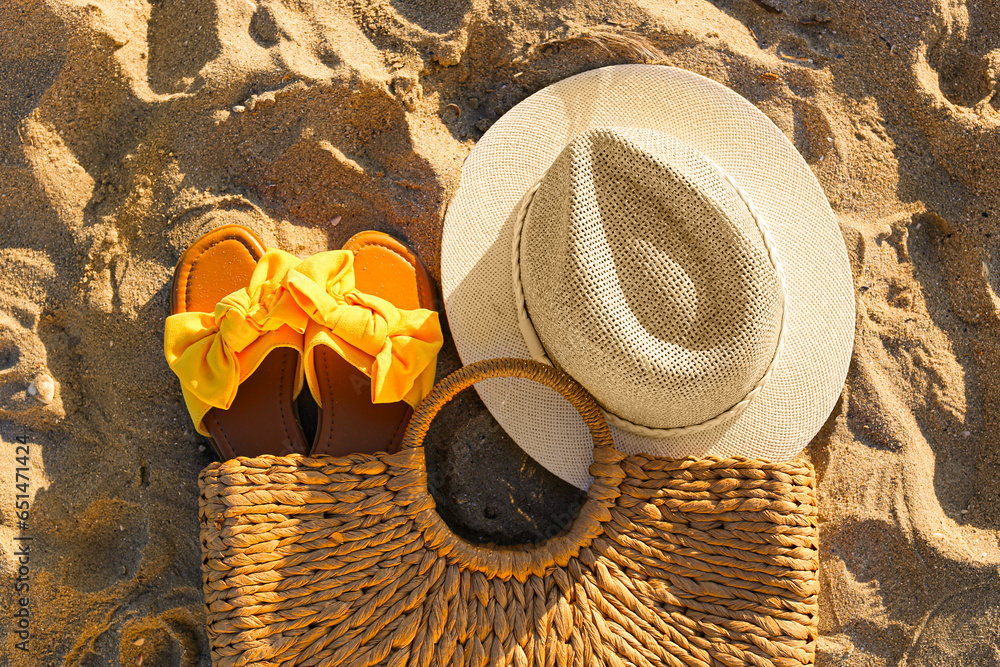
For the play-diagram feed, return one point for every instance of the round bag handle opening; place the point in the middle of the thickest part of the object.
(522, 560)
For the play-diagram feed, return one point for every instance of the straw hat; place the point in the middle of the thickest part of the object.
(654, 235)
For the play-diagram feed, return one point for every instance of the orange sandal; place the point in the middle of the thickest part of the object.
(235, 341)
(350, 421)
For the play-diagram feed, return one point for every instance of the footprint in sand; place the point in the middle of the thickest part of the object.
(439, 29)
(436, 16)
(106, 547)
(959, 95)
(173, 638)
(180, 42)
(266, 28)
(23, 355)
(963, 630)
(162, 628)
(965, 56)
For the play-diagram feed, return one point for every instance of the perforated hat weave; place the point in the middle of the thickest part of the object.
(657, 237)
(647, 278)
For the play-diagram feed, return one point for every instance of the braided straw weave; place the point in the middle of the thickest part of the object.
(344, 561)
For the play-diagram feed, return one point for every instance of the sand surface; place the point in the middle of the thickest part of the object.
(129, 127)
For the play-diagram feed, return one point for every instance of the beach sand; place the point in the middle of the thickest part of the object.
(129, 127)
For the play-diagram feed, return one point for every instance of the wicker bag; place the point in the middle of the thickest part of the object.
(344, 561)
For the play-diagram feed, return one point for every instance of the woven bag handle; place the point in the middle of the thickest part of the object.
(469, 375)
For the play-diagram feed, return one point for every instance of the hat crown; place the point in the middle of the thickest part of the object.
(648, 279)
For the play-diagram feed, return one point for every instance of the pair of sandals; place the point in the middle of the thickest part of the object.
(250, 326)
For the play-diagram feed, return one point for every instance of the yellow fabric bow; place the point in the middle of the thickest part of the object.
(396, 348)
(212, 353)
(296, 304)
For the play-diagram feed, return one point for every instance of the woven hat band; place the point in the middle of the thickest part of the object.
(642, 269)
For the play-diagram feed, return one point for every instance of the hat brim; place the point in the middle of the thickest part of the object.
(476, 274)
